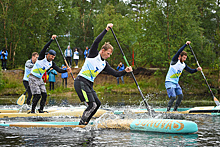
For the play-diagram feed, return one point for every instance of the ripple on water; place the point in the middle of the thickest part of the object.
(207, 135)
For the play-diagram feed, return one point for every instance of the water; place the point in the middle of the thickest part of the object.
(208, 132)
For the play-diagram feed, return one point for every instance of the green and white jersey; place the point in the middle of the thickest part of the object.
(40, 67)
(92, 67)
(175, 72)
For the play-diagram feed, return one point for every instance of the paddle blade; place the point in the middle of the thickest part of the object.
(21, 100)
(216, 101)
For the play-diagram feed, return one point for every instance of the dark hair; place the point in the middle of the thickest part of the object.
(183, 53)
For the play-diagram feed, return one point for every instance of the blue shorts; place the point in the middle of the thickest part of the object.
(173, 89)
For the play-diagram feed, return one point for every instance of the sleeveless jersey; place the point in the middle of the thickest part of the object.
(92, 67)
(40, 67)
(175, 72)
(27, 71)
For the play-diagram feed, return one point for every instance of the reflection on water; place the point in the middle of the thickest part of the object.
(207, 135)
(100, 137)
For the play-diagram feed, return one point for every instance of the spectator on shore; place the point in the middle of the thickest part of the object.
(4, 56)
(64, 76)
(68, 55)
(52, 78)
(120, 67)
(76, 57)
(86, 52)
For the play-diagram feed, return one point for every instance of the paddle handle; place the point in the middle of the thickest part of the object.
(64, 58)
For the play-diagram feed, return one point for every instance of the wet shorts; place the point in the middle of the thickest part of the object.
(37, 85)
(173, 89)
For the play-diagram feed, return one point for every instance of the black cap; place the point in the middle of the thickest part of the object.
(52, 52)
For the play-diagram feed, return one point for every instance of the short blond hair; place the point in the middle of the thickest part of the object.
(107, 46)
(34, 54)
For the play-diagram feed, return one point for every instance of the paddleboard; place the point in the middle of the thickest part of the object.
(147, 125)
(77, 112)
(71, 112)
(51, 109)
(209, 110)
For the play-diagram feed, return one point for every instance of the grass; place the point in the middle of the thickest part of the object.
(154, 84)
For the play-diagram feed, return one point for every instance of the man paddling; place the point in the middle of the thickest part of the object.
(171, 83)
(28, 66)
(94, 64)
(36, 83)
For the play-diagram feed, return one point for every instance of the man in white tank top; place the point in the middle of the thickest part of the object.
(171, 83)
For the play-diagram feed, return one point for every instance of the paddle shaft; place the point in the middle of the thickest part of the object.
(146, 104)
(217, 103)
(64, 58)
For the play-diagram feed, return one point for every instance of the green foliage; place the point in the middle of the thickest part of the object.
(60, 89)
(154, 30)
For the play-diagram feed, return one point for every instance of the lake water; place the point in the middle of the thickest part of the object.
(208, 129)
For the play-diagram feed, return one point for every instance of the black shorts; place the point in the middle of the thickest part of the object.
(85, 92)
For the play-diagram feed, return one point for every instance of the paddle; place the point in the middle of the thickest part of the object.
(214, 98)
(146, 104)
(21, 99)
(64, 58)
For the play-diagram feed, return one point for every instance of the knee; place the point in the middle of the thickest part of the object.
(180, 96)
(94, 105)
(37, 96)
(98, 103)
(44, 95)
(172, 98)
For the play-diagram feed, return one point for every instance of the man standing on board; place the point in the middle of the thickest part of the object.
(171, 83)
(36, 83)
(94, 64)
(28, 66)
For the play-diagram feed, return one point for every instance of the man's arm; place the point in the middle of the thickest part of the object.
(113, 72)
(29, 64)
(175, 57)
(43, 51)
(93, 50)
(54, 66)
(190, 70)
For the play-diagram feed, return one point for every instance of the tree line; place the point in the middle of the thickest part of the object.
(151, 30)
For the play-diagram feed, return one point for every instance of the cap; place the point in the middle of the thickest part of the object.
(52, 52)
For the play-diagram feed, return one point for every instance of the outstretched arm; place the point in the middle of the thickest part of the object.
(93, 50)
(54, 66)
(190, 70)
(175, 57)
(113, 72)
(43, 51)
